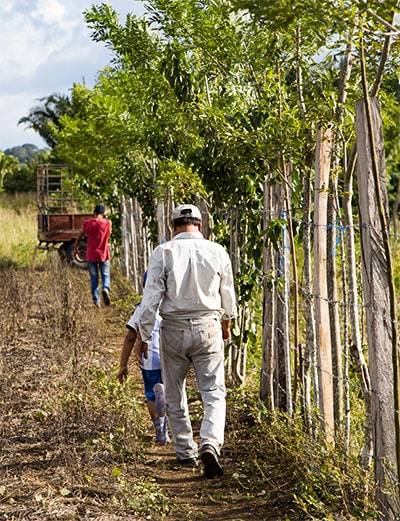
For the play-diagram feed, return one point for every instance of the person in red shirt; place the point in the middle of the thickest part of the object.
(97, 231)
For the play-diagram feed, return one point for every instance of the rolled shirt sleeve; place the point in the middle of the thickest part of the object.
(133, 323)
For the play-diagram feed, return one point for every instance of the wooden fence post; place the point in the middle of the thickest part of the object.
(377, 301)
(269, 299)
(324, 353)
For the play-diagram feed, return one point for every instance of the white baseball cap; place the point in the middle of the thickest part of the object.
(186, 210)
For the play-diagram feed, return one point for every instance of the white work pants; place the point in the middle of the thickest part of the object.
(197, 342)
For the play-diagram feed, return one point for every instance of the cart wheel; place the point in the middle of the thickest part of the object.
(68, 251)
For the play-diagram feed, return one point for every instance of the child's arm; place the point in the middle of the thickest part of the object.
(125, 354)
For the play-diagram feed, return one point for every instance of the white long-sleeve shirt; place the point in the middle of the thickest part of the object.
(187, 277)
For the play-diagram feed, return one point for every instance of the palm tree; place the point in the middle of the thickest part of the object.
(42, 117)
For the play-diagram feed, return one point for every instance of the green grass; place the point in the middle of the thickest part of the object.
(18, 222)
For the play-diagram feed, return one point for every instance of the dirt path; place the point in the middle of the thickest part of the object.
(59, 457)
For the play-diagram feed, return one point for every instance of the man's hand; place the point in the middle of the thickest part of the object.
(140, 350)
(77, 243)
(122, 374)
(226, 330)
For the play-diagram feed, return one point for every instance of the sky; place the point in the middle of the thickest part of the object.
(45, 47)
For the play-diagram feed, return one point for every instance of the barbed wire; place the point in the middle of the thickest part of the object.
(278, 387)
(274, 215)
(344, 380)
(394, 479)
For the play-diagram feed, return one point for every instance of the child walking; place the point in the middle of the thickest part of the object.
(151, 373)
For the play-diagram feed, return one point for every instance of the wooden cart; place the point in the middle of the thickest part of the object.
(61, 212)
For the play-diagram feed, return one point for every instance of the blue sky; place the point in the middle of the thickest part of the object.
(45, 47)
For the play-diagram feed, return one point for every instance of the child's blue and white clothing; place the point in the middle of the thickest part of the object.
(153, 348)
(151, 368)
(151, 371)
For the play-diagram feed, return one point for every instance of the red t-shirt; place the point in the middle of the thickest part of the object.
(97, 232)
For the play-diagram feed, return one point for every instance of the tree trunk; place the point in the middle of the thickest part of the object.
(124, 238)
(356, 350)
(395, 218)
(333, 215)
(334, 322)
(376, 260)
(284, 374)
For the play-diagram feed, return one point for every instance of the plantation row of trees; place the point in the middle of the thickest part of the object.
(232, 103)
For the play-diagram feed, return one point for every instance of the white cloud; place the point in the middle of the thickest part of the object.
(49, 12)
(45, 47)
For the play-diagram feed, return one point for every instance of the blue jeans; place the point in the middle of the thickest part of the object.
(94, 277)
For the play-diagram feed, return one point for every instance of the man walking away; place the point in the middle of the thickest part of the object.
(190, 282)
(97, 231)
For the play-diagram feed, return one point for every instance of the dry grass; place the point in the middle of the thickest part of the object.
(66, 422)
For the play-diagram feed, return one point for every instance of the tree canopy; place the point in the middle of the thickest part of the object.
(217, 91)
(211, 98)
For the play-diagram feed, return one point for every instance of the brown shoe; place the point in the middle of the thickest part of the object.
(106, 296)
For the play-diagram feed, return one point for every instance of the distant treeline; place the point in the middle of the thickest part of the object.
(24, 153)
